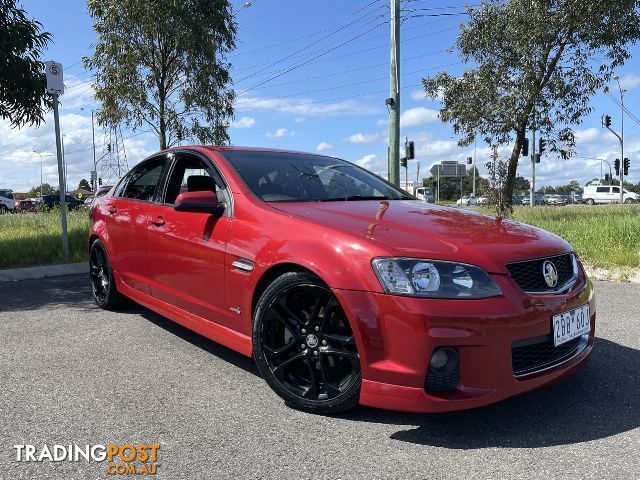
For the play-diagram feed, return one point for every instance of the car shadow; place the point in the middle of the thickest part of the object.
(47, 293)
(601, 401)
(231, 356)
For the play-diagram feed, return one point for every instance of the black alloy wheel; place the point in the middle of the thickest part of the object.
(103, 285)
(304, 346)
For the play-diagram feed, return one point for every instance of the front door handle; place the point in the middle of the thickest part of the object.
(111, 208)
(158, 221)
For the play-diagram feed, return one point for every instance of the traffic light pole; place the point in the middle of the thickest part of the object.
(621, 144)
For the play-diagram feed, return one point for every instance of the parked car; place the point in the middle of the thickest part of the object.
(7, 203)
(343, 288)
(538, 199)
(25, 206)
(47, 202)
(425, 194)
(607, 194)
(467, 200)
(555, 200)
(482, 200)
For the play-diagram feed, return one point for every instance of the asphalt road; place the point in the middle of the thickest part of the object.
(70, 373)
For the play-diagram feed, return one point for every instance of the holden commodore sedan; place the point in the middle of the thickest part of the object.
(343, 288)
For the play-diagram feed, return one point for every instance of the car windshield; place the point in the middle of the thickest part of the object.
(297, 177)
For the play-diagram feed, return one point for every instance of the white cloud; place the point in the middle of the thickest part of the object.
(367, 161)
(629, 82)
(304, 107)
(381, 123)
(324, 146)
(360, 138)
(281, 132)
(244, 122)
(418, 95)
(415, 117)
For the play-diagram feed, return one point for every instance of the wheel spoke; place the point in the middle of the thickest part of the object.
(277, 352)
(331, 389)
(312, 391)
(280, 369)
(328, 310)
(339, 339)
(284, 318)
(349, 355)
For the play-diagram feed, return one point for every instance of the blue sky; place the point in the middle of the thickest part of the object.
(331, 99)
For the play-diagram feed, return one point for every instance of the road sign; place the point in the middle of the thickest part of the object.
(449, 169)
(55, 83)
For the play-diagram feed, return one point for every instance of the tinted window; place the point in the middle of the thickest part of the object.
(143, 180)
(616, 189)
(602, 190)
(292, 177)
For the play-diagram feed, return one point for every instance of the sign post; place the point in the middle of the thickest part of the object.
(55, 86)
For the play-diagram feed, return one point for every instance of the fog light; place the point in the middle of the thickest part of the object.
(443, 360)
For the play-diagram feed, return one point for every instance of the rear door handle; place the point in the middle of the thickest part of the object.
(111, 208)
(158, 221)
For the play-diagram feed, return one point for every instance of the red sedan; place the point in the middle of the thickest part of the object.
(344, 288)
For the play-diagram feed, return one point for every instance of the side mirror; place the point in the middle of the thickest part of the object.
(199, 202)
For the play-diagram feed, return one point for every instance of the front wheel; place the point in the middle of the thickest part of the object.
(628, 200)
(304, 346)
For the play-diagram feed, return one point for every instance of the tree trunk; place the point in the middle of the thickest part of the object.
(505, 202)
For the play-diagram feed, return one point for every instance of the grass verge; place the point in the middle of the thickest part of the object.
(35, 239)
(605, 236)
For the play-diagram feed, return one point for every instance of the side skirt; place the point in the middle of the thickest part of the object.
(218, 333)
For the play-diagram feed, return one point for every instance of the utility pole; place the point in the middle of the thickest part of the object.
(393, 102)
(475, 151)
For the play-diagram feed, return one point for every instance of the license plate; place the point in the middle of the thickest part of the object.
(571, 324)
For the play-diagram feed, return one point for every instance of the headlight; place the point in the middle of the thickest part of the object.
(433, 279)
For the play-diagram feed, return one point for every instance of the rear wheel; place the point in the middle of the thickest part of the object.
(589, 201)
(304, 346)
(3, 209)
(103, 285)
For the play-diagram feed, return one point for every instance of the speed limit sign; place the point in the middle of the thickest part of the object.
(55, 83)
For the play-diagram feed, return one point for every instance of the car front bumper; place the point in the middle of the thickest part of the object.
(397, 335)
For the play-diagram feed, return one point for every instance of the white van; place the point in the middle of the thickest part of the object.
(7, 203)
(607, 194)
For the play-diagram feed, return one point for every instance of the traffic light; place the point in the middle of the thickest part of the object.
(403, 162)
(537, 158)
(606, 178)
(469, 160)
(108, 147)
(542, 146)
(100, 181)
(606, 121)
(410, 150)
(616, 165)
(626, 165)
(525, 147)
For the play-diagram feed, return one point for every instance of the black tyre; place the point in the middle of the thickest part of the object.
(103, 285)
(628, 200)
(304, 346)
(3, 209)
(589, 201)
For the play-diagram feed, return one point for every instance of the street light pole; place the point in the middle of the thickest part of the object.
(393, 101)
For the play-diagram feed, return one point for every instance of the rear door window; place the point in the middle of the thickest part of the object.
(602, 190)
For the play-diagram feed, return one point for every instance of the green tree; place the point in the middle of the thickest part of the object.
(521, 184)
(164, 64)
(536, 65)
(46, 190)
(23, 97)
(84, 185)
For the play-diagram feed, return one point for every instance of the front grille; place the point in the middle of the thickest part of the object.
(441, 381)
(529, 274)
(534, 355)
